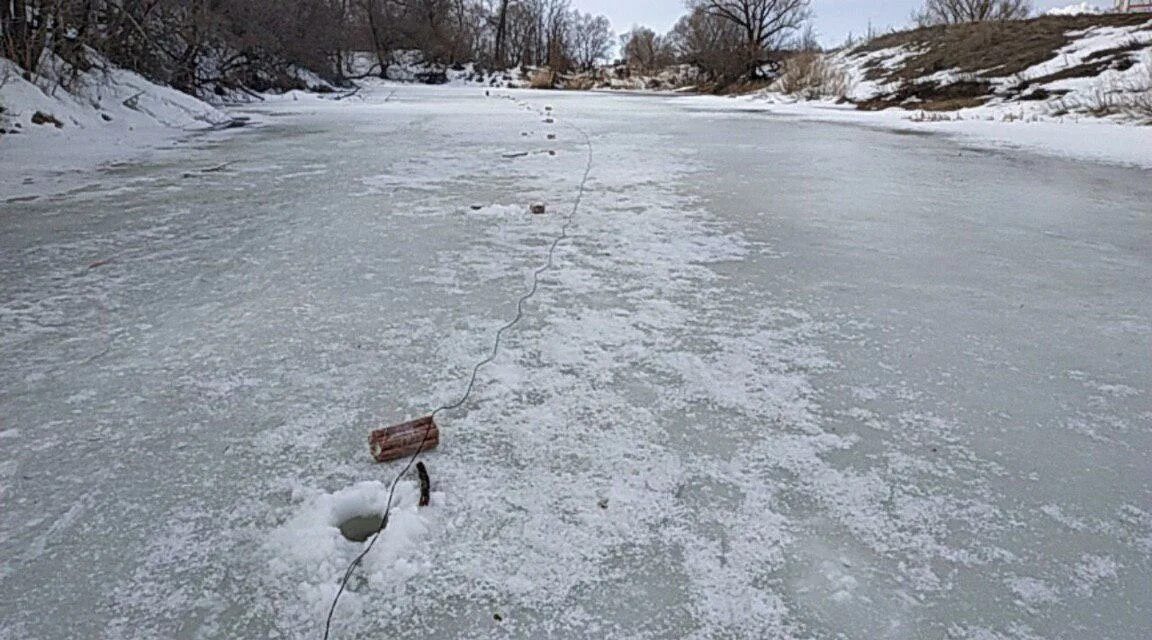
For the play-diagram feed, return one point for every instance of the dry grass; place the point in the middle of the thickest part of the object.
(983, 51)
(542, 79)
(579, 82)
(1135, 106)
(735, 88)
(932, 96)
(992, 49)
(933, 116)
(811, 76)
(1132, 100)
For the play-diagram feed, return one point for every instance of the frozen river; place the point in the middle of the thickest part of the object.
(788, 380)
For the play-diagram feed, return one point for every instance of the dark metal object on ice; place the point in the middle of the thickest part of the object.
(404, 440)
(425, 484)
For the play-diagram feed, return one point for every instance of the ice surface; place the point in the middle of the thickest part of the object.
(789, 380)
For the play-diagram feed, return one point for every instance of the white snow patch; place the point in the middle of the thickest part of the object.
(501, 210)
(1092, 571)
(1077, 9)
(1033, 592)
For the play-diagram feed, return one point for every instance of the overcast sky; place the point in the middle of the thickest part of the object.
(834, 18)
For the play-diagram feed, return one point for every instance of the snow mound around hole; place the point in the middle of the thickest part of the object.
(310, 551)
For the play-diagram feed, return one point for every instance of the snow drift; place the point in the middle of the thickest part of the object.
(104, 97)
(65, 120)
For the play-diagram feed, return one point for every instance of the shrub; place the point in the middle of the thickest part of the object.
(1133, 105)
(811, 76)
(579, 82)
(1131, 99)
(542, 79)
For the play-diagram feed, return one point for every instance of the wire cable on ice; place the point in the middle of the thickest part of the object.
(528, 295)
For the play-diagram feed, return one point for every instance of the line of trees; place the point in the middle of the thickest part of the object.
(727, 40)
(201, 45)
(734, 40)
(936, 12)
(196, 45)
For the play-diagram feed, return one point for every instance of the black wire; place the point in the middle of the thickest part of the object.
(548, 264)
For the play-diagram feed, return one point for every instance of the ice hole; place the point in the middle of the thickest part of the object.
(361, 527)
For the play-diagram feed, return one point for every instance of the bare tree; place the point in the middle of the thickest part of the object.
(501, 29)
(555, 31)
(645, 51)
(25, 29)
(711, 44)
(764, 24)
(807, 41)
(217, 46)
(520, 36)
(959, 11)
(590, 39)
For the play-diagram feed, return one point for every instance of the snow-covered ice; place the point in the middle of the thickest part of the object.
(790, 379)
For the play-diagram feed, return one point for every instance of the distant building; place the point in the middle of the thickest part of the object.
(1133, 6)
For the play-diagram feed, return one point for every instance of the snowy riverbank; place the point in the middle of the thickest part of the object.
(43, 159)
(1073, 137)
(54, 138)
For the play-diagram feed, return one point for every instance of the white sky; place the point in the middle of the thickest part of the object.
(834, 18)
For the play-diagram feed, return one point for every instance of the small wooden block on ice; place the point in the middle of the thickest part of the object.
(404, 440)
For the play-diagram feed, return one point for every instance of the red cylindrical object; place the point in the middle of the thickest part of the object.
(404, 440)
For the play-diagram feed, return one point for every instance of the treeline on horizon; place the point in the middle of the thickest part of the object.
(199, 46)
(195, 45)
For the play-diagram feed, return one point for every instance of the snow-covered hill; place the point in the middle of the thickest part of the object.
(103, 98)
(1099, 65)
(60, 121)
